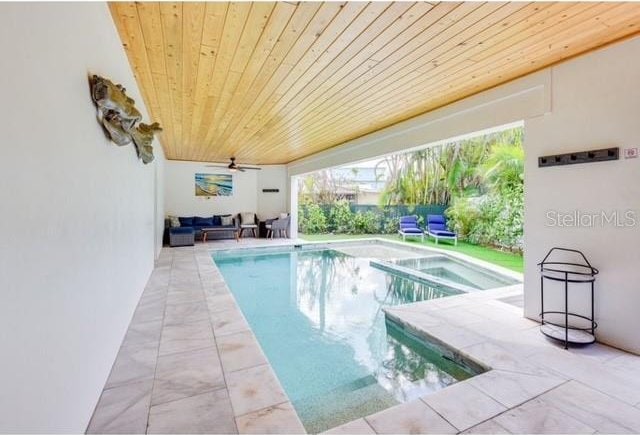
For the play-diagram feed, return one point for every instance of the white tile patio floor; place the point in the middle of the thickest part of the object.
(189, 363)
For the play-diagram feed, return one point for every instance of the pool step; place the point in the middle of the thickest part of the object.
(363, 396)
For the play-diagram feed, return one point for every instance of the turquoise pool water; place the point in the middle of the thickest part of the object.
(446, 272)
(318, 317)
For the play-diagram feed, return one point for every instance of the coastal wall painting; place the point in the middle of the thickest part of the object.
(214, 185)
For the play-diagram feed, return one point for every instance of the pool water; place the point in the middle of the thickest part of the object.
(457, 271)
(445, 272)
(318, 317)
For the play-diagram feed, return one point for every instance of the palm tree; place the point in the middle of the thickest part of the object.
(504, 168)
(437, 174)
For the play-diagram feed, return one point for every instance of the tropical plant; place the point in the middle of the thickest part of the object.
(504, 168)
(312, 219)
(438, 174)
(366, 223)
(390, 225)
(341, 218)
(495, 217)
(463, 215)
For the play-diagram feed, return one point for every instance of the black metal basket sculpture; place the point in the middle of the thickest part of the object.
(568, 273)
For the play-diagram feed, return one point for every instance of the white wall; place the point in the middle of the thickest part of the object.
(247, 195)
(158, 194)
(271, 204)
(596, 104)
(77, 212)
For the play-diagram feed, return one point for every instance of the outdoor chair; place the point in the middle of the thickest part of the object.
(278, 226)
(248, 222)
(437, 228)
(409, 227)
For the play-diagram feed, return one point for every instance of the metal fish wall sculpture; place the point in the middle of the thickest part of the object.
(120, 119)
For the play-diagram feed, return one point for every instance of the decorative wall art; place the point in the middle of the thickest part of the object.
(120, 119)
(214, 185)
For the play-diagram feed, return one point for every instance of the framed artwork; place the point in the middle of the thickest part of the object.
(214, 185)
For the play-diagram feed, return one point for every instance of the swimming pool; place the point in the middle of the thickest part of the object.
(317, 314)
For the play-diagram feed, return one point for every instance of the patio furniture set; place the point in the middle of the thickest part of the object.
(436, 228)
(184, 231)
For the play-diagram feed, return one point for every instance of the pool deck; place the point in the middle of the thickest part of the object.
(189, 363)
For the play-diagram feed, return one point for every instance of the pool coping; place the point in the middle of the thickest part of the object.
(263, 420)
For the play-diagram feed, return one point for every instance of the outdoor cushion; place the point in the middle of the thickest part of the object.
(247, 218)
(436, 223)
(284, 215)
(411, 230)
(409, 220)
(248, 226)
(437, 227)
(181, 230)
(202, 222)
(435, 219)
(443, 233)
(186, 221)
(413, 225)
(226, 220)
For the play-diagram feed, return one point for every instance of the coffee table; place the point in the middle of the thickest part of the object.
(206, 231)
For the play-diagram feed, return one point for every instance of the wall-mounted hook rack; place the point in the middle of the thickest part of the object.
(592, 156)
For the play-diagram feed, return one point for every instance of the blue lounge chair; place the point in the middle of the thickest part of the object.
(437, 228)
(409, 227)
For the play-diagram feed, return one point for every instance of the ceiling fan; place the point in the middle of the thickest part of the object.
(232, 166)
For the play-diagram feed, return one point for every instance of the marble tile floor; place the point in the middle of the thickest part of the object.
(533, 385)
(189, 363)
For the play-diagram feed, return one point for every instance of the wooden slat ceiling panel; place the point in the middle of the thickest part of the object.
(271, 82)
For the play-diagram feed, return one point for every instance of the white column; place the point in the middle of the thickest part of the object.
(293, 206)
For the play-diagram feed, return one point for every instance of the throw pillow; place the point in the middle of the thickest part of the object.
(174, 222)
(186, 221)
(202, 222)
(226, 220)
(217, 221)
(247, 218)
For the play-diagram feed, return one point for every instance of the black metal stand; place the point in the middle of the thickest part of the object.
(568, 273)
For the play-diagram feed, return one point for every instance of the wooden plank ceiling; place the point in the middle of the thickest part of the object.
(273, 82)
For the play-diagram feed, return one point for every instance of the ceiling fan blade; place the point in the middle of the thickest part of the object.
(249, 167)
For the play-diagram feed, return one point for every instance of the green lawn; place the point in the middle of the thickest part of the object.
(504, 259)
